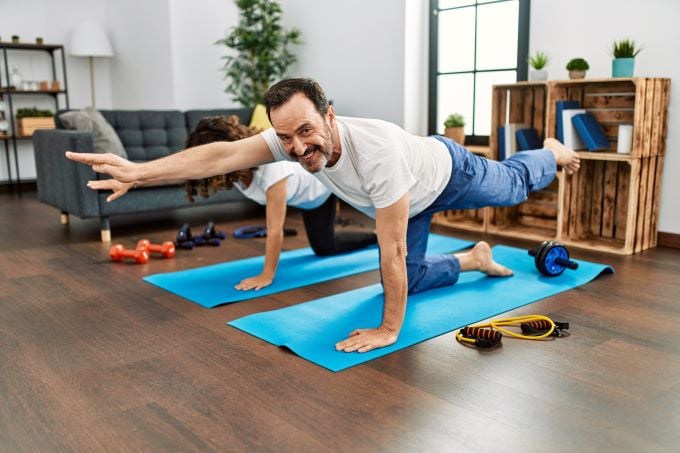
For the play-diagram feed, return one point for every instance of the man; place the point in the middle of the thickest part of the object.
(380, 169)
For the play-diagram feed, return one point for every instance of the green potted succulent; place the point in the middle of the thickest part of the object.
(577, 68)
(260, 50)
(624, 52)
(538, 61)
(30, 119)
(454, 128)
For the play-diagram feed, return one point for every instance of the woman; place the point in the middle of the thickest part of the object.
(276, 186)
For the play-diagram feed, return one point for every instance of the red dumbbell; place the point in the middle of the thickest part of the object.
(167, 248)
(118, 252)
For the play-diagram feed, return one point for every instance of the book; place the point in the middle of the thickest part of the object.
(501, 143)
(571, 138)
(590, 131)
(528, 139)
(560, 107)
(509, 137)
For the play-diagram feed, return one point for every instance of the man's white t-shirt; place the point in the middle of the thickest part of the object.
(379, 163)
(303, 190)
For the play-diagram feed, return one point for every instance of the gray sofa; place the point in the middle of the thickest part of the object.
(146, 135)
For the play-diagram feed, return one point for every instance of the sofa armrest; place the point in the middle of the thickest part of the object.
(61, 182)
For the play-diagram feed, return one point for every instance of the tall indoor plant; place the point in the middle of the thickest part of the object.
(262, 55)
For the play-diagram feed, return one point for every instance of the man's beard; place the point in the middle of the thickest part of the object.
(320, 154)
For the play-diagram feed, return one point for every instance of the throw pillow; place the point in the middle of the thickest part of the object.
(90, 120)
(259, 119)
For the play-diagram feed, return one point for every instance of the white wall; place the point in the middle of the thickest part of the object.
(587, 28)
(355, 50)
(197, 62)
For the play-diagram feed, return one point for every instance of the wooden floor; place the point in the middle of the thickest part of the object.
(92, 358)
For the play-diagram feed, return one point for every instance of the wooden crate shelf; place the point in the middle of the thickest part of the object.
(642, 102)
(536, 219)
(612, 203)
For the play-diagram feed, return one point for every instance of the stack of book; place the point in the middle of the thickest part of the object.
(578, 129)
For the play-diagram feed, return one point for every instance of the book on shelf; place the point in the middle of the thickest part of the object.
(509, 137)
(571, 138)
(528, 139)
(560, 107)
(590, 131)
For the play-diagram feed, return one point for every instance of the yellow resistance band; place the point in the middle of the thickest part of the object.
(486, 331)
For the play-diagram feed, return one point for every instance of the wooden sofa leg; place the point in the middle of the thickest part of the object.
(105, 229)
(64, 218)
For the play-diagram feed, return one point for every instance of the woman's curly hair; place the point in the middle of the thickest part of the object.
(214, 129)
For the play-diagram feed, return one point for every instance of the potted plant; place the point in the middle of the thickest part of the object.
(538, 61)
(454, 128)
(624, 52)
(577, 68)
(30, 119)
(262, 54)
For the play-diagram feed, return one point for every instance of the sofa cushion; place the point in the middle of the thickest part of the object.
(148, 134)
(90, 120)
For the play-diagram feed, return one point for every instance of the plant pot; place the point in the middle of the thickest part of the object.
(457, 134)
(538, 74)
(28, 125)
(577, 74)
(623, 67)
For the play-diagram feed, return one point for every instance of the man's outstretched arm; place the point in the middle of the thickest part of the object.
(195, 163)
(391, 225)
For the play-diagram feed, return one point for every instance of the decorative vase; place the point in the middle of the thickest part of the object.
(623, 67)
(457, 134)
(538, 74)
(577, 74)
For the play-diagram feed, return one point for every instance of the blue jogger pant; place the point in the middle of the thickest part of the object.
(475, 182)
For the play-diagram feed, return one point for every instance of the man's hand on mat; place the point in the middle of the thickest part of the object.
(363, 340)
(121, 169)
(119, 188)
(257, 282)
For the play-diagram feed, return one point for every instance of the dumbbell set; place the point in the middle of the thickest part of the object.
(142, 252)
(210, 236)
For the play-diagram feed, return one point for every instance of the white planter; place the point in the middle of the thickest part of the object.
(539, 74)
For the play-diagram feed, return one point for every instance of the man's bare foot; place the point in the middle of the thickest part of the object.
(480, 259)
(565, 157)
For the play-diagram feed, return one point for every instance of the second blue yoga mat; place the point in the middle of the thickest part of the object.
(213, 285)
(311, 329)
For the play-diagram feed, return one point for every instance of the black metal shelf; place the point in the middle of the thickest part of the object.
(8, 92)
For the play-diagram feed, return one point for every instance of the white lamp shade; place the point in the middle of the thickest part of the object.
(89, 39)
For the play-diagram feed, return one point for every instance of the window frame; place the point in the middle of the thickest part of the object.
(521, 68)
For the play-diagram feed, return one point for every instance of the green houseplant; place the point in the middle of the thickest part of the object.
(624, 52)
(577, 68)
(262, 55)
(30, 119)
(454, 128)
(538, 61)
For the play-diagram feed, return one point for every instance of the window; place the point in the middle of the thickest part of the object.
(474, 44)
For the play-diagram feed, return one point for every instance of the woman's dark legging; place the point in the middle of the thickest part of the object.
(324, 240)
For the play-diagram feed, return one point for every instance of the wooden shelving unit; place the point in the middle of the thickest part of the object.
(612, 203)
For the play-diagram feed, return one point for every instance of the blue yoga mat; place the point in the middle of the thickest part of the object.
(213, 285)
(311, 329)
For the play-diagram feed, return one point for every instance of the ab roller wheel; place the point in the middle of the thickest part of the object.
(552, 258)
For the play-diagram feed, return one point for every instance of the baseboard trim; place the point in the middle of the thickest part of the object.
(671, 240)
(25, 186)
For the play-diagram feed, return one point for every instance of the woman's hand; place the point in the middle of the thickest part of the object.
(257, 282)
(119, 188)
